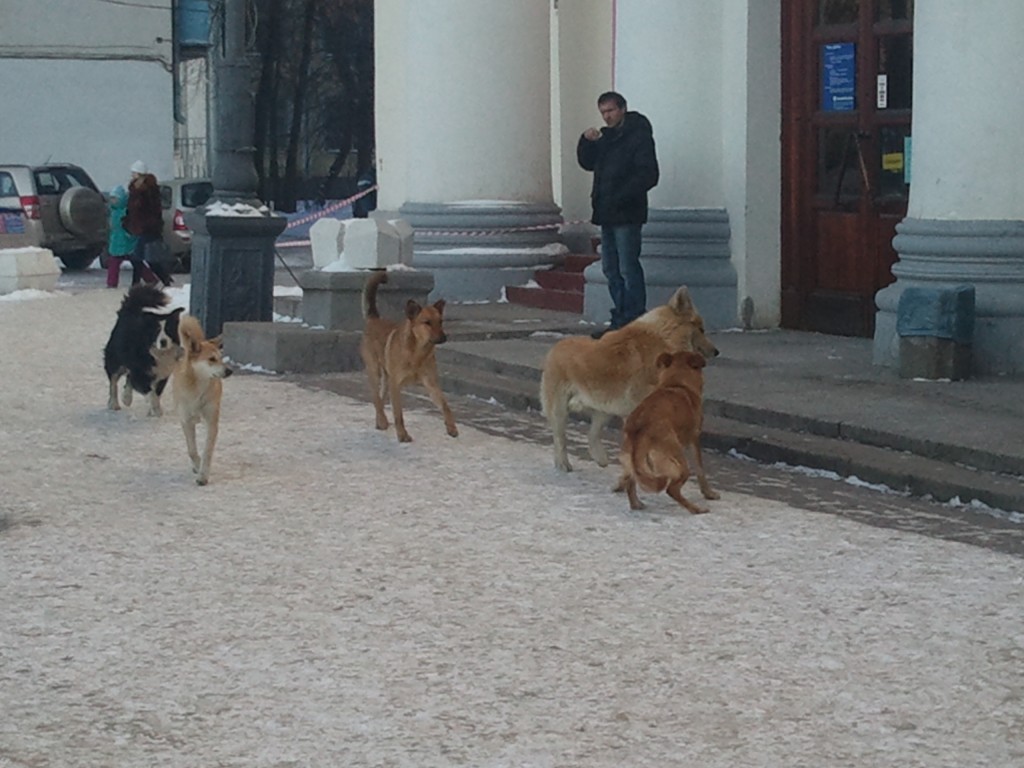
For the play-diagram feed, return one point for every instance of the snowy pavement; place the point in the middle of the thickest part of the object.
(334, 598)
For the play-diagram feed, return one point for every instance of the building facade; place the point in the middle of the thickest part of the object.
(817, 156)
(91, 83)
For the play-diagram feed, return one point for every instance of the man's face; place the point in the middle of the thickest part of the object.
(611, 112)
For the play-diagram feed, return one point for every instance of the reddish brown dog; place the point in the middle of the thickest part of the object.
(661, 427)
(398, 354)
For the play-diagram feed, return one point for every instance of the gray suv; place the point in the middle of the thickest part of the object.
(55, 206)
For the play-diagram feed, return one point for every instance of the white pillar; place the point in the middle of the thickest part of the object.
(965, 217)
(668, 66)
(463, 137)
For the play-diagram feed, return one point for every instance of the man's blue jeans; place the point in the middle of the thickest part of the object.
(620, 262)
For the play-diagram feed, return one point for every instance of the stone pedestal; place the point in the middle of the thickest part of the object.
(334, 300)
(232, 268)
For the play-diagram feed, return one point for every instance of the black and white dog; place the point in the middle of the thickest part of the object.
(144, 345)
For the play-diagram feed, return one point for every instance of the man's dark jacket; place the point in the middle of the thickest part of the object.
(625, 167)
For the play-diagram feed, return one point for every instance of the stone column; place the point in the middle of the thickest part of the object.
(666, 69)
(464, 139)
(965, 219)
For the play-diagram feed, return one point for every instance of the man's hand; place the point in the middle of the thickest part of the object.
(592, 134)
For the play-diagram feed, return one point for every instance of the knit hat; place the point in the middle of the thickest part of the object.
(139, 167)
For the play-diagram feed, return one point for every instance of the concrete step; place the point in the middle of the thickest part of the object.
(510, 391)
(543, 298)
(898, 470)
(577, 262)
(560, 280)
(916, 468)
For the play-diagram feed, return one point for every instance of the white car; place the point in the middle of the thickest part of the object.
(179, 196)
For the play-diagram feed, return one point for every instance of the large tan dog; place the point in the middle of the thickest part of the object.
(610, 376)
(656, 434)
(197, 391)
(396, 355)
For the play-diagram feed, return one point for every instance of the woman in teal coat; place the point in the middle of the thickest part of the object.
(120, 243)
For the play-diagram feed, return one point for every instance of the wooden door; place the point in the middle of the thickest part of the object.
(846, 92)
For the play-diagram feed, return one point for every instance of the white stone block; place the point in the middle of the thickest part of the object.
(371, 244)
(405, 231)
(30, 267)
(327, 241)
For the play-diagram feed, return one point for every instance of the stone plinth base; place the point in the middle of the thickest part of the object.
(27, 268)
(287, 348)
(232, 268)
(475, 249)
(334, 300)
(927, 357)
(945, 254)
(680, 247)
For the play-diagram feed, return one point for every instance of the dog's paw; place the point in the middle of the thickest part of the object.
(113, 405)
(563, 464)
(202, 480)
(405, 437)
(453, 431)
(710, 494)
(155, 412)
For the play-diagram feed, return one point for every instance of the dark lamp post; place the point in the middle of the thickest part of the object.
(234, 234)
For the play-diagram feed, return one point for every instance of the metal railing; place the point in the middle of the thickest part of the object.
(190, 158)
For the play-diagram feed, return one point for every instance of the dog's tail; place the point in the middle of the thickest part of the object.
(190, 332)
(370, 293)
(142, 297)
(654, 466)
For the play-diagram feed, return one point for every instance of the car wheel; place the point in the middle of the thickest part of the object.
(79, 260)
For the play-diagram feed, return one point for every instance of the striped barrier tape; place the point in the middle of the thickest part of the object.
(330, 208)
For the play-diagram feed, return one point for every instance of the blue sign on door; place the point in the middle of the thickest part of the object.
(838, 77)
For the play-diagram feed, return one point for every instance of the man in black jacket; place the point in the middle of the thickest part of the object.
(625, 166)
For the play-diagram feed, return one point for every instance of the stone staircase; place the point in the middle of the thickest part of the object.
(559, 288)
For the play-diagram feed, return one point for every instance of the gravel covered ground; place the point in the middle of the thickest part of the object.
(333, 598)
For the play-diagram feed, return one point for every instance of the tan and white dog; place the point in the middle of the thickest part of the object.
(610, 376)
(197, 388)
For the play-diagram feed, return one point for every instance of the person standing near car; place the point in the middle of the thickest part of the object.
(120, 242)
(625, 166)
(145, 220)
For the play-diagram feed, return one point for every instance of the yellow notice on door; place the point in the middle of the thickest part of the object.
(892, 162)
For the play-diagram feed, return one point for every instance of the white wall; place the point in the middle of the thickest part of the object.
(94, 89)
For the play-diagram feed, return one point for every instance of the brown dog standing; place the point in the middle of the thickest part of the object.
(665, 423)
(197, 390)
(399, 354)
(610, 376)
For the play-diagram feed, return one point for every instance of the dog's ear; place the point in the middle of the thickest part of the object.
(439, 305)
(412, 308)
(217, 341)
(681, 302)
(664, 360)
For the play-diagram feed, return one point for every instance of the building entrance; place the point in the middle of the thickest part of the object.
(846, 157)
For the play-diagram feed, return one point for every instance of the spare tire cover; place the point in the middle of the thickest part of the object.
(84, 212)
